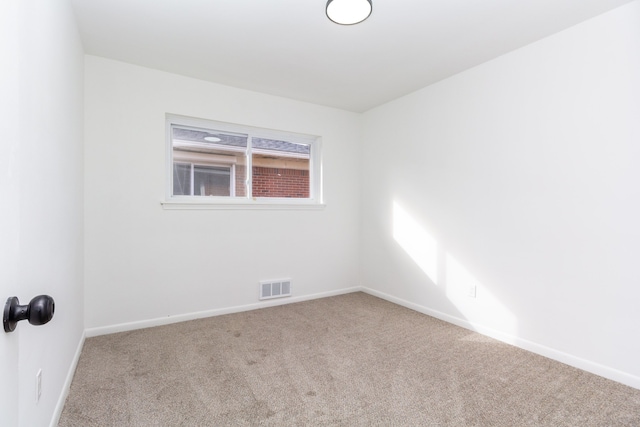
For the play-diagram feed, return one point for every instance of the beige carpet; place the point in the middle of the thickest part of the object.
(350, 360)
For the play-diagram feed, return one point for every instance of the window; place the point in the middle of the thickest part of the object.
(214, 164)
(190, 179)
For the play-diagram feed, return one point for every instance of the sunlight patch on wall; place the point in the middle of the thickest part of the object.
(473, 300)
(416, 241)
(459, 278)
(458, 283)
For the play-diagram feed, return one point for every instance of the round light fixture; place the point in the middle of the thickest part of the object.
(212, 139)
(348, 12)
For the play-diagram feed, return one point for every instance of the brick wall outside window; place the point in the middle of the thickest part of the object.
(276, 182)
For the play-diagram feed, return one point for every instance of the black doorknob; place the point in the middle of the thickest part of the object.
(39, 311)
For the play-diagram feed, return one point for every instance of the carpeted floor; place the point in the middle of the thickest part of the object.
(350, 360)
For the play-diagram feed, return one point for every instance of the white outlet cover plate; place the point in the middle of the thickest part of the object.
(38, 385)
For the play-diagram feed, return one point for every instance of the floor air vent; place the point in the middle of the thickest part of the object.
(275, 289)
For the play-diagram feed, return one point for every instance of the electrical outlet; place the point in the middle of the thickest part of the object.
(38, 385)
(471, 291)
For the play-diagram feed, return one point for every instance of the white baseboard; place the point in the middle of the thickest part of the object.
(123, 327)
(568, 359)
(67, 383)
(571, 360)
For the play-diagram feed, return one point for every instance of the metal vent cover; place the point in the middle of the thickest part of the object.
(275, 288)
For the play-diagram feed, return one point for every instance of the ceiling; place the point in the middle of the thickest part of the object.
(289, 48)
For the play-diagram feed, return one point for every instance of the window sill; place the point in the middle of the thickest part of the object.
(240, 205)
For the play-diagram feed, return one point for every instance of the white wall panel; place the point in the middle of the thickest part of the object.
(524, 170)
(144, 262)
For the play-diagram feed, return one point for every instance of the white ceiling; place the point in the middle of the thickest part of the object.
(289, 47)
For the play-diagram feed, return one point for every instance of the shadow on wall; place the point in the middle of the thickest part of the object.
(468, 295)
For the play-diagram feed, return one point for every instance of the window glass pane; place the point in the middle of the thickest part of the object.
(211, 181)
(280, 168)
(211, 161)
(221, 152)
(181, 179)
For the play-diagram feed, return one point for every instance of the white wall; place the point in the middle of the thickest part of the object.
(42, 161)
(521, 176)
(144, 263)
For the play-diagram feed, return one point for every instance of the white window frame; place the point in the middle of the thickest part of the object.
(313, 202)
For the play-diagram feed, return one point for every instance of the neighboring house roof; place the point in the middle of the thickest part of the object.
(235, 140)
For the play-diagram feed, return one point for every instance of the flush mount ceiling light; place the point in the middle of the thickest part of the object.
(348, 12)
(212, 139)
